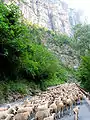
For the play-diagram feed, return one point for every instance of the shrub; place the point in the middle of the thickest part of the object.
(84, 72)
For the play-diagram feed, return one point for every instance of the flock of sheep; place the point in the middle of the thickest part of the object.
(48, 105)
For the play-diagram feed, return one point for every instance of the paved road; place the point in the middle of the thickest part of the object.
(84, 112)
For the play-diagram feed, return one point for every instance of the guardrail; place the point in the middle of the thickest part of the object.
(83, 91)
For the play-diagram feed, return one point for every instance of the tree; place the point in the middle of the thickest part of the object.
(84, 71)
(82, 38)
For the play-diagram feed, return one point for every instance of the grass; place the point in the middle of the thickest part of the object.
(53, 82)
(24, 87)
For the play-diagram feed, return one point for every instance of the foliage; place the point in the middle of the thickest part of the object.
(9, 88)
(81, 42)
(40, 64)
(82, 39)
(23, 54)
(11, 44)
(84, 71)
(59, 39)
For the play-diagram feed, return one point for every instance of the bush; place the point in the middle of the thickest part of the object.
(22, 53)
(84, 72)
(39, 63)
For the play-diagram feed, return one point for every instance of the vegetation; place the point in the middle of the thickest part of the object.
(82, 44)
(24, 60)
(82, 39)
(84, 72)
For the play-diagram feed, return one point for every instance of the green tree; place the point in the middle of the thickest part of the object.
(82, 38)
(84, 71)
(13, 39)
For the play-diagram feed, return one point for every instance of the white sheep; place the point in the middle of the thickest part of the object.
(52, 117)
(4, 114)
(60, 107)
(22, 116)
(25, 109)
(76, 112)
(40, 115)
(54, 106)
(10, 117)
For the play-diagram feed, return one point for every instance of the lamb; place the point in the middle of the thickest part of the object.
(76, 112)
(40, 115)
(52, 117)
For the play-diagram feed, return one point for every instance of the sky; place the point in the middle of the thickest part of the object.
(83, 5)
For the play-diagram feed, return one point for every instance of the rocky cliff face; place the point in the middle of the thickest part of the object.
(52, 14)
(66, 54)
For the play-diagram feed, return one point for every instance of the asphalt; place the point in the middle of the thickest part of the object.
(84, 112)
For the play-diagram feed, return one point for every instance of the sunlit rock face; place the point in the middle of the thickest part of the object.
(52, 14)
(66, 54)
(74, 16)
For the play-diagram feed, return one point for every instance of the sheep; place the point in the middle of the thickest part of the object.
(11, 111)
(60, 107)
(26, 102)
(40, 115)
(9, 117)
(42, 106)
(4, 114)
(22, 116)
(3, 109)
(80, 97)
(25, 109)
(76, 112)
(69, 103)
(55, 98)
(53, 106)
(52, 117)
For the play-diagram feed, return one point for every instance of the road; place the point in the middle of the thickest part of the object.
(84, 112)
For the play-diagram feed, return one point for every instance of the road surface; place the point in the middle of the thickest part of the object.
(84, 112)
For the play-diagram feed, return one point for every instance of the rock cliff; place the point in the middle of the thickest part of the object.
(52, 14)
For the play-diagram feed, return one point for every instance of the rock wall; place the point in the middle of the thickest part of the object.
(66, 54)
(52, 14)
